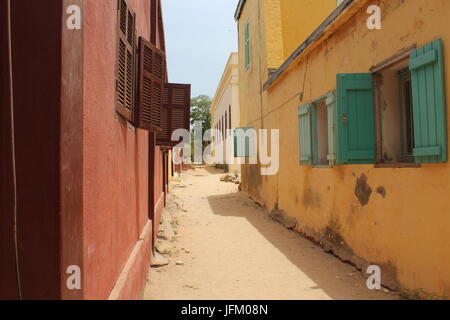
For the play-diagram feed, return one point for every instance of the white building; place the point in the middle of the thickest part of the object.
(225, 109)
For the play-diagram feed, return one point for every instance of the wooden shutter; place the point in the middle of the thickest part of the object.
(176, 112)
(125, 60)
(152, 66)
(429, 111)
(356, 119)
(331, 109)
(246, 150)
(305, 134)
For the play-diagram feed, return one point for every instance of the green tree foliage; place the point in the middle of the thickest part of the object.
(201, 111)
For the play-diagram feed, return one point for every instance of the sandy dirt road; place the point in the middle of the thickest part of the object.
(223, 246)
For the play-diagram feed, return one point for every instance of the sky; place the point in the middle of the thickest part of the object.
(200, 35)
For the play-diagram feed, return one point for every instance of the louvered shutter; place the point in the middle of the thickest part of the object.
(305, 134)
(176, 112)
(152, 65)
(356, 119)
(331, 109)
(428, 90)
(125, 60)
(244, 142)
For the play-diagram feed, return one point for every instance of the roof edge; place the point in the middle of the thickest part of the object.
(239, 8)
(225, 78)
(316, 35)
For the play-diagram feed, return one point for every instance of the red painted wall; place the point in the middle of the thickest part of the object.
(36, 79)
(115, 161)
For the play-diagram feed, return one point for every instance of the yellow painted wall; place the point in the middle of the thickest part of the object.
(273, 33)
(251, 78)
(407, 231)
(300, 18)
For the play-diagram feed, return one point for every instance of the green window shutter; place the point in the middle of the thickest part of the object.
(246, 150)
(247, 44)
(305, 134)
(235, 145)
(428, 89)
(356, 120)
(331, 108)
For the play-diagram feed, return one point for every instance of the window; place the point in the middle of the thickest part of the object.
(125, 61)
(317, 132)
(247, 45)
(411, 109)
(407, 115)
(152, 75)
(140, 74)
(244, 142)
(229, 114)
(223, 129)
(395, 115)
(175, 112)
(393, 107)
(226, 122)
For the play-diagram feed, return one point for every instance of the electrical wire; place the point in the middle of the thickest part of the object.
(13, 149)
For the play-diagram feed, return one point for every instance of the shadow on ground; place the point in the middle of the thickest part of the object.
(308, 257)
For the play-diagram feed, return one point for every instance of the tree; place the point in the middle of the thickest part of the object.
(201, 111)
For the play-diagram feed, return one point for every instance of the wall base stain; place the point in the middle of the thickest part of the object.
(333, 243)
(251, 179)
(282, 218)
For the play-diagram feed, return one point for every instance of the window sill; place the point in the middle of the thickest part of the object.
(324, 166)
(398, 165)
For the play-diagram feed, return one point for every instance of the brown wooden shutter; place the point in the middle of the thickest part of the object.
(152, 73)
(176, 112)
(125, 60)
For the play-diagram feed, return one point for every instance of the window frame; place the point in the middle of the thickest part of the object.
(249, 144)
(328, 98)
(403, 77)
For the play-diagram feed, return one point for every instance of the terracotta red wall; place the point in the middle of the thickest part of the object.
(36, 39)
(115, 161)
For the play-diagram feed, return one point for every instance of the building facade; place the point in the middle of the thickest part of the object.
(84, 147)
(225, 111)
(363, 136)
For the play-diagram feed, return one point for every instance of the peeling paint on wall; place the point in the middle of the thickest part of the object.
(382, 191)
(362, 190)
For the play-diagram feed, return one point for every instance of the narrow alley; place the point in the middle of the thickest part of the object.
(221, 245)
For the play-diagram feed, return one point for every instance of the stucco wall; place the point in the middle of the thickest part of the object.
(405, 231)
(226, 97)
(115, 162)
(300, 18)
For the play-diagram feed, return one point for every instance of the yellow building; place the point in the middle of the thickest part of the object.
(362, 119)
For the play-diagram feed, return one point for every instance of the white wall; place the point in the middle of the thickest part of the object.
(227, 95)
